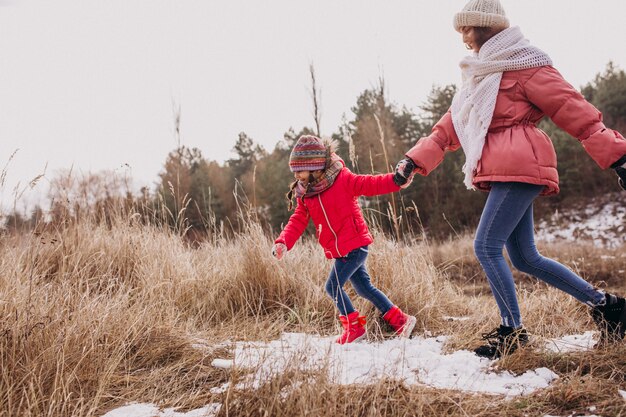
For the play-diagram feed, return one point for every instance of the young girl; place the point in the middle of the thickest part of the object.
(327, 192)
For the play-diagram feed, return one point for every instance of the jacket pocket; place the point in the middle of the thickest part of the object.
(505, 103)
(508, 153)
(359, 226)
(507, 84)
(542, 147)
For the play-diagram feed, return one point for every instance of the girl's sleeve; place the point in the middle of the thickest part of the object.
(370, 185)
(569, 110)
(295, 226)
(429, 151)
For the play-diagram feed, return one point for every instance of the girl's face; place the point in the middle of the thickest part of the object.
(475, 37)
(303, 176)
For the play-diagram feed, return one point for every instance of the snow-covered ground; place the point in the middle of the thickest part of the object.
(413, 361)
(151, 410)
(602, 223)
(420, 360)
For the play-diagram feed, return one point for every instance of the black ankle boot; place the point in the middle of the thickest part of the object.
(502, 341)
(610, 319)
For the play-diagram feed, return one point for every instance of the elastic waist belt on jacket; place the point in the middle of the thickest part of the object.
(503, 128)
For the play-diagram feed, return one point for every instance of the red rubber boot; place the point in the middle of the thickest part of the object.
(353, 329)
(401, 322)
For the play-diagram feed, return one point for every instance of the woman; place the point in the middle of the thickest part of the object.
(508, 87)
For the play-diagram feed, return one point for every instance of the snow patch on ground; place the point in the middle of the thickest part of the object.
(412, 361)
(572, 343)
(151, 410)
(602, 223)
(452, 318)
(572, 415)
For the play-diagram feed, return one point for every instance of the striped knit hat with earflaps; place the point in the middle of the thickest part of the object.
(309, 154)
(481, 13)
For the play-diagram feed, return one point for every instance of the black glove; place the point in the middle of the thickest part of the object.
(620, 170)
(404, 171)
(621, 173)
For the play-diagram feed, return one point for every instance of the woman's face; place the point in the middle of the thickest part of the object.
(475, 37)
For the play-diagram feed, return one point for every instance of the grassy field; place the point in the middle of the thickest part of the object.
(93, 316)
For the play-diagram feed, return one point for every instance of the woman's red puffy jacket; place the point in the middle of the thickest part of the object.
(515, 148)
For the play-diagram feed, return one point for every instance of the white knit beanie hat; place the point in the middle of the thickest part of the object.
(481, 13)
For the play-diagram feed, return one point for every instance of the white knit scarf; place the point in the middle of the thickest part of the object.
(473, 105)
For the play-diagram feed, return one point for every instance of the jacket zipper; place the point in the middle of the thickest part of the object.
(329, 226)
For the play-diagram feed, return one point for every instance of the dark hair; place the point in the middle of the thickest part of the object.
(290, 194)
(292, 190)
(483, 34)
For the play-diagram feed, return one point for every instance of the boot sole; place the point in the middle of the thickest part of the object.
(357, 340)
(408, 327)
(360, 338)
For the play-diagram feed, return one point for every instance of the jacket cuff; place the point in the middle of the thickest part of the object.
(282, 240)
(605, 147)
(393, 187)
(619, 162)
(426, 155)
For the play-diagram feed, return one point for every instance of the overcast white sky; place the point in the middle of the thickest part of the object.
(90, 83)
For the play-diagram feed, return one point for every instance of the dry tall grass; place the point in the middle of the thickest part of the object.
(93, 316)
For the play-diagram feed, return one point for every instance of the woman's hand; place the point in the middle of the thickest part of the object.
(620, 170)
(621, 173)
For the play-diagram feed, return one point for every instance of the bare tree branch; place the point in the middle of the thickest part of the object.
(315, 93)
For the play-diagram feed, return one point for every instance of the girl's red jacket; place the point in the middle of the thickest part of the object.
(336, 214)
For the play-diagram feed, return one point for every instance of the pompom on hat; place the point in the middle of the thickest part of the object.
(309, 154)
(481, 13)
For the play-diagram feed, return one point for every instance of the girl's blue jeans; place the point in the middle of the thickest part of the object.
(507, 219)
(352, 267)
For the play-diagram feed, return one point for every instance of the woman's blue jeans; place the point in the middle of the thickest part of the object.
(507, 219)
(352, 267)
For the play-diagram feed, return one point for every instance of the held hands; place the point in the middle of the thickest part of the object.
(279, 250)
(404, 173)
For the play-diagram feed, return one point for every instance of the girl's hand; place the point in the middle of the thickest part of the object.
(279, 250)
(408, 182)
